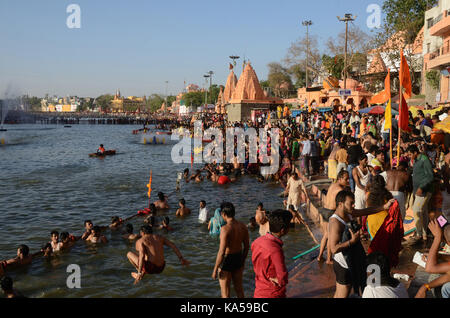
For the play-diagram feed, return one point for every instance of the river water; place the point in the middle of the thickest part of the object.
(48, 182)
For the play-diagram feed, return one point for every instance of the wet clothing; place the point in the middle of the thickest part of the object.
(232, 262)
(268, 262)
(150, 268)
(216, 223)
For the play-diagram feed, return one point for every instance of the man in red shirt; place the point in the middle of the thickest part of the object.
(271, 276)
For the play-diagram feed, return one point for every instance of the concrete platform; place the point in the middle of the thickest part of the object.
(310, 279)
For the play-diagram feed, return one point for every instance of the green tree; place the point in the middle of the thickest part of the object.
(334, 65)
(104, 102)
(406, 15)
(194, 99)
(154, 102)
(32, 103)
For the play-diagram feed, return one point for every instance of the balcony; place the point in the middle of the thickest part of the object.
(440, 58)
(441, 25)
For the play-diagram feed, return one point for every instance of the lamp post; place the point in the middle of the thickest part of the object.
(167, 85)
(348, 17)
(307, 23)
(234, 58)
(206, 76)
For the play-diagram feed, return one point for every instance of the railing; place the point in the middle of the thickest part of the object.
(435, 20)
(435, 54)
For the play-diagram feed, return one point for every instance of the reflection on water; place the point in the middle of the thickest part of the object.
(50, 183)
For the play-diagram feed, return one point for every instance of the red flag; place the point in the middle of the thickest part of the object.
(383, 96)
(403, 120)
(405, 76)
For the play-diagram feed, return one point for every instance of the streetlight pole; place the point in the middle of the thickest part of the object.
(206, 91)
(348, 17)
(210, 83)
(307, 24)
(234, 58)
(167, 86)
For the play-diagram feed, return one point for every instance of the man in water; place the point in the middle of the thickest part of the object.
(397, 182)
(261, 219)
(183, 210)
(96, 236)
(88, 225)
(23, 258)
(7, 287)
(101, 150)
(149, 258)
(162, 203)
(56, 245)
(203, 212)
(116, 223)
(233, 250)
(129, 233)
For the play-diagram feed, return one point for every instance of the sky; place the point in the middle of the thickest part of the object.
(138, 45)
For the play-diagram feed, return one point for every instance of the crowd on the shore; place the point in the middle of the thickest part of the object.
(373, 189)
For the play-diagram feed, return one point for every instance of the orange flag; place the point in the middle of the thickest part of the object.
(383, 96)
(405, 76)
(403, 120)
(149, 185)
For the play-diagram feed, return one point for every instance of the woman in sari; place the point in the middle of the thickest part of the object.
(216, 223)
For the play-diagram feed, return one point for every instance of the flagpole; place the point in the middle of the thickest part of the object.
(399, 139)
(390, 141)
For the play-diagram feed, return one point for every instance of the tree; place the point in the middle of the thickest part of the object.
(194, 99)
(279, 79)
(403, 21)
(297, 71)
(406, 15)
(296, 55)
(31, 103)
(154, 102)
(104, 102)
(358, 44)
(334, 65)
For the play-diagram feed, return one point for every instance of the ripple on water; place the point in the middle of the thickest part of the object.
(50, 183)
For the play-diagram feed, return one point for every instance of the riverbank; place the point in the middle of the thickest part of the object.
(309, 278)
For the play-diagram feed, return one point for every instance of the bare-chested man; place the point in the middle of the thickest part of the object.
(162, 203)
(183, 210)
(96, 236)
(149, 258)
(23, 258)
(397, 182)
(329, 206)
(234, 246)
(262, 220)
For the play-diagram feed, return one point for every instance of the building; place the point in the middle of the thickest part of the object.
(248, 100)
(130, 104)
(436, 49)
(327, 96)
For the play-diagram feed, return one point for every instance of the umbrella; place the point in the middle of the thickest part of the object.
(376, 110)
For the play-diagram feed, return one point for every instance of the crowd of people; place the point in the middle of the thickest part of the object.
(376, 178)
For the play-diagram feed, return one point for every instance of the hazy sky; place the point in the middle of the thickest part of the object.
(138, 45)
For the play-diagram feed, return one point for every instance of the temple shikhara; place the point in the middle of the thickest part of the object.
(246, 99)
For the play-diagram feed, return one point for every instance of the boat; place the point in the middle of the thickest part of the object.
(157, 138)
(105, 154)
